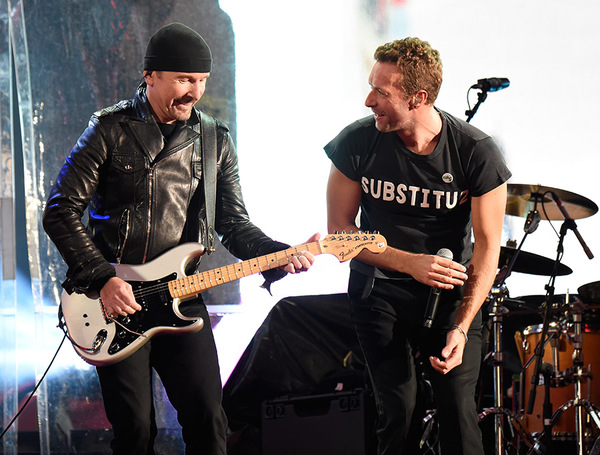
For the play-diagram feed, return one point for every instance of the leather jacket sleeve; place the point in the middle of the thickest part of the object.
(75, 186)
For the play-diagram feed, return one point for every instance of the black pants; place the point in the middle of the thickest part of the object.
(188, 368)
(388, 318)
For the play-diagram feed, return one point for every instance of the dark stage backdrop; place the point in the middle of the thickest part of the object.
(72, 58)
(84, 56)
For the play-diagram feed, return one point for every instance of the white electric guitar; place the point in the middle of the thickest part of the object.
(161, 285)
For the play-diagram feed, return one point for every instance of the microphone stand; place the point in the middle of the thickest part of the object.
(579, 371)
(547, 408)
(539, 354)
(481, 97)
(569, 223)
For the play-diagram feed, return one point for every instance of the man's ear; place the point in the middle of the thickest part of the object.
(149, 77)
(419, 98)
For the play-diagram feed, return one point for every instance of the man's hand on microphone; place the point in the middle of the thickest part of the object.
(437, 271)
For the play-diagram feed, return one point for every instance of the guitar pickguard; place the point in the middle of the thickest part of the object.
(157, 311)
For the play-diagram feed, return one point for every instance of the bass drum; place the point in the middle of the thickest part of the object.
(564, 424)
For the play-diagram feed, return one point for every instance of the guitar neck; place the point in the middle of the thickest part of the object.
(189, 286)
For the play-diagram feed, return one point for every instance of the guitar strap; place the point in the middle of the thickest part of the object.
(208, 137)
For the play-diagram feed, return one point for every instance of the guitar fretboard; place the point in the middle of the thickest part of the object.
(194, 284)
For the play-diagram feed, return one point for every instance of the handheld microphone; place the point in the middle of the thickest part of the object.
(434, 294)
(492, 84)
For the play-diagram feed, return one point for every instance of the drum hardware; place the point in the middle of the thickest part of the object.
(520, 197)
(496, 312)
(541, 369)
(523, 200)
(553, 375)
(548, 372)
(580, 373)
(567, 339)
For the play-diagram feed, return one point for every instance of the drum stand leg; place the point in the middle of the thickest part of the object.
(581, 408)
(581, 405)
(498, 411)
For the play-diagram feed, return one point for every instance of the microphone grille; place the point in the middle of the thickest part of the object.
(446, 253)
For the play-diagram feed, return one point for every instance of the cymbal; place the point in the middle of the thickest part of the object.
(531, 263)
(520, 306)
(537, 300)
(528, 305)
(590, 292)
(523, 198)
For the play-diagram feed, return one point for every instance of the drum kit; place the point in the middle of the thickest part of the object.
(556, 354)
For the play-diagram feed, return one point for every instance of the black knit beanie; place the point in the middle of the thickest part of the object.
(176, 47)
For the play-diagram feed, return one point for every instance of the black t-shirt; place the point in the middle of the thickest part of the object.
(167, 128)
(419, 203)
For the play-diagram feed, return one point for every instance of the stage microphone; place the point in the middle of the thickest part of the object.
(434, 294)
(492, 84)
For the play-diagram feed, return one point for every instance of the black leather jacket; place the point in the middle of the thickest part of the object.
(144, 195)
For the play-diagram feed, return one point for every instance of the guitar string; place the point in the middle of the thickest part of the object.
(160, 287)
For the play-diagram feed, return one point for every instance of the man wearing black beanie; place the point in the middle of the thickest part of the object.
(139, 168)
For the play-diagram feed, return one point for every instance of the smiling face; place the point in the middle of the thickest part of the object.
(173, 95)
(390, 105)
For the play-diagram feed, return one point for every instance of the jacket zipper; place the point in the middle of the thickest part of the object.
(149, 220)
(121, 251)
(151, 190)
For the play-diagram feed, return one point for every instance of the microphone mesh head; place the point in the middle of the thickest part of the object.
(446, 253)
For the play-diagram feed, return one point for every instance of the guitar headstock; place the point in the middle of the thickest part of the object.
(347, 245)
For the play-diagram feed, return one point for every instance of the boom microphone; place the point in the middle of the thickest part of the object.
(492, 84)
(434, 294)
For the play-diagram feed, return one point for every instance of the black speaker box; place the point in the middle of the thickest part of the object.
(328, 424)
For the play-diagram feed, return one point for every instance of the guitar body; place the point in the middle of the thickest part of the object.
(161, 285)
(102, 341)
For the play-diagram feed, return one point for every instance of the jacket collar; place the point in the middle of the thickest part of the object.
(148, 133)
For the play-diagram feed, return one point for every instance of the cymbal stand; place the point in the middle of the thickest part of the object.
(496, 310)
